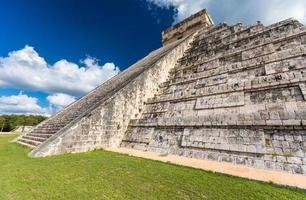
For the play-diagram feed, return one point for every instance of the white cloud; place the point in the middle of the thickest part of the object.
(63, 81)
(275, 10)
(268, 11)
(25, 69)
(183, 8)
(60, 100)
(21, 104)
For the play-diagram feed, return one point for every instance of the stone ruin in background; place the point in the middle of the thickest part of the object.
(233, 93)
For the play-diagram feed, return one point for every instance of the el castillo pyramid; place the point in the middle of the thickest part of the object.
(232, 93)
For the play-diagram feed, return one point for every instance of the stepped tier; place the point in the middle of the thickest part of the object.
(237, 95)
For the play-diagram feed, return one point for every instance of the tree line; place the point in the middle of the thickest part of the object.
(10, 122)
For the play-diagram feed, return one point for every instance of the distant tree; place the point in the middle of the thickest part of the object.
(2, 122)
(10, 122)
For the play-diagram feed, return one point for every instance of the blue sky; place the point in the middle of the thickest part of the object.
(54, 51)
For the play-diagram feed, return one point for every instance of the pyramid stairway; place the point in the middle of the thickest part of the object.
(238, 95)
(74, 112)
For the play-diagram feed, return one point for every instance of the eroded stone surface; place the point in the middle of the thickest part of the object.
(220, 100)
(238, 95)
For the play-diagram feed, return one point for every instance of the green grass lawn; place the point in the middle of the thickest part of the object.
(107, 175)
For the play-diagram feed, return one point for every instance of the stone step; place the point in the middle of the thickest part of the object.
(57, 123)
(50, 127)
(29, 141)
(35, 138)
(46, 128)
(26, 144)
(39, 135)
(45, 131)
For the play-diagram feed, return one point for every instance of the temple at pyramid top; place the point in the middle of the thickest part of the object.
(187, 26)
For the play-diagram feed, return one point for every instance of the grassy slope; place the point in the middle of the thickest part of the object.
(107, 175)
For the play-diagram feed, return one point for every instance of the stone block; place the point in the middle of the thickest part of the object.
(274, 122)
(216, 101)
(303, 167)
(289, 138)
(281, 159)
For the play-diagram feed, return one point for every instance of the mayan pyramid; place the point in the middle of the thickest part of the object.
(232, 93)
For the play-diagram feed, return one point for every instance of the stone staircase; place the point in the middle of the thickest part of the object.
(74, 112)
(41, 133)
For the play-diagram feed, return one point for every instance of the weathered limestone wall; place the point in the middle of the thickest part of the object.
(272, 149)
(106, 124)
(187, 27)
(238, 96)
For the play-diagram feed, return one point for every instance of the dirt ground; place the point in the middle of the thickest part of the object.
(278, 177)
